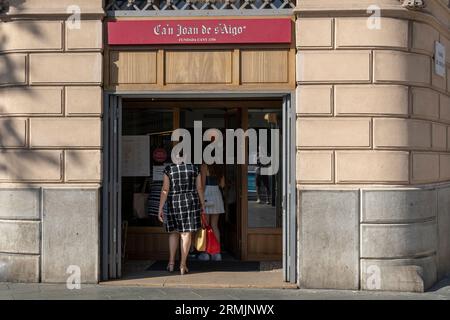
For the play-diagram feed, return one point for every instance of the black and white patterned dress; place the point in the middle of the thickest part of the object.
(183, 202)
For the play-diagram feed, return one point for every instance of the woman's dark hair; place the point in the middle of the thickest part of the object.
(216, 170)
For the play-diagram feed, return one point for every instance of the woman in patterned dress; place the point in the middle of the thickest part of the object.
(182, 188)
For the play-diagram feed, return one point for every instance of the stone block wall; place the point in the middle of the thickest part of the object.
(50, 139)
(373, 145)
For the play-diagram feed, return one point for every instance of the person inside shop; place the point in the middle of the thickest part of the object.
(262, 184)
(213, 180)
(183, 191)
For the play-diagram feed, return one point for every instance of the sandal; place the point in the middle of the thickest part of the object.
(183, 269)
(170, 266)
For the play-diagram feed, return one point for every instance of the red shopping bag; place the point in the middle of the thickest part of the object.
(212, 245)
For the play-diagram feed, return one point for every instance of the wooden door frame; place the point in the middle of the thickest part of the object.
(244, 190)
(224, 95)
(246, 230)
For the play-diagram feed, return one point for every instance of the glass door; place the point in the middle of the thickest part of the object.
(146, 147)
(263, 202)
(289, 192)
(111, 204)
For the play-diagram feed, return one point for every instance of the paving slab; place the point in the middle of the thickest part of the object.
(23, 287)
(107, 292)
(215, 294)
(3, 286)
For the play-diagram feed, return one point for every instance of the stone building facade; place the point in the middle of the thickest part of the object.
(378, 171)
(372, 141)
(50, 120)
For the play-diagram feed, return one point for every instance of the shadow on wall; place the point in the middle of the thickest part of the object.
(17, 159)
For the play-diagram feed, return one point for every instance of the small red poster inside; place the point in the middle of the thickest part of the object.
(220, 31)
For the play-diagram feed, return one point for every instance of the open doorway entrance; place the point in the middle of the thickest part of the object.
(253, 227)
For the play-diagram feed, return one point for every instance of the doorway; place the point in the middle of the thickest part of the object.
(257, 208)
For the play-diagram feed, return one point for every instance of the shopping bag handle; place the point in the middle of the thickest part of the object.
(144, 186)
(203, 217)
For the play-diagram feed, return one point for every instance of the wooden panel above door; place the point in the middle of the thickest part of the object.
(132, 67)
(198, 67)
(214, 68)
(265, 66)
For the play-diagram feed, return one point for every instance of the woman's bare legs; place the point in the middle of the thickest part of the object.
(185, 246)
(208, 219)
(214, 221)
(192, 248)
(174, 239)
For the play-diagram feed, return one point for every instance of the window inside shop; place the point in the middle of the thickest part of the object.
(146, 147)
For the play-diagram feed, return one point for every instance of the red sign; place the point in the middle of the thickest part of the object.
(159, 155)
(246, 31)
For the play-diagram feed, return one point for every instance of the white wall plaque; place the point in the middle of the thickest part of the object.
(135, 156)
(439, 59)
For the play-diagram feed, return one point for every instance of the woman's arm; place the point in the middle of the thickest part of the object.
(162, 200)
(222, 182)
(203, 171)
(200, 191)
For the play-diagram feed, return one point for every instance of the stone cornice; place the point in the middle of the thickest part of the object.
(46, 15)
(346, 5)
(10, 9)
(362, 5)
(59, 11)
(355, 8)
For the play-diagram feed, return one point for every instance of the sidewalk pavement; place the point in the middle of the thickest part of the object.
(20, 291)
